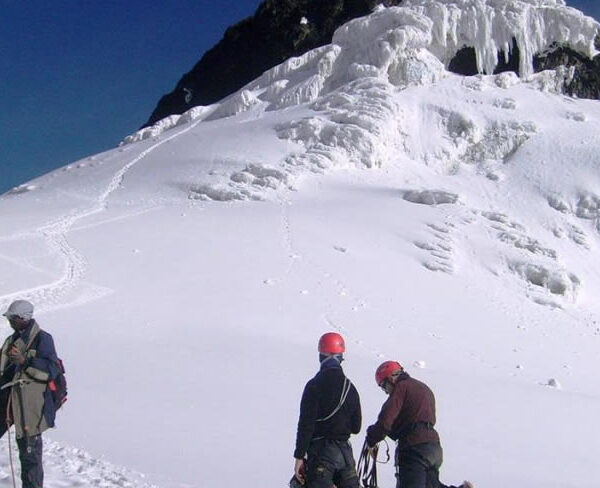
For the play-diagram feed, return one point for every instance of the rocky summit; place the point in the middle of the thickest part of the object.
(281, 29)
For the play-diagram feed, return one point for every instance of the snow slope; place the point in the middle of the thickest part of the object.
(450, 223)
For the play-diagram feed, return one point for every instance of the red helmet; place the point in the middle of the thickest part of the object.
(331, 343)
(386, 370)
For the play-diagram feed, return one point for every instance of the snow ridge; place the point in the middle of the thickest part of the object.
(410, 44)
(55, 233)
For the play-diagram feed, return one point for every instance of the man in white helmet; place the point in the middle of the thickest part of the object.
(28, 362)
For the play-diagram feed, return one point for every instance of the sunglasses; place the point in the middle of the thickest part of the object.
(15, 319)
(386, 386)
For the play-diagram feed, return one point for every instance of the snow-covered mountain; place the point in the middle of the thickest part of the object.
(449, 222)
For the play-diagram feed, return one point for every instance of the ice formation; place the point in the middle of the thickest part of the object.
(491, 25)
(413, 44)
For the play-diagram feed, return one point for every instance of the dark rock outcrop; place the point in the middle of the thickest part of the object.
(585, 82)
(272, 35)
(465, 61)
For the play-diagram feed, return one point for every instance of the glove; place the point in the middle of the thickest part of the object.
(375, 434)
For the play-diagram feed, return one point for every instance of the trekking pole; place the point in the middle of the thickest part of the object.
(10, 454)
(19, 384)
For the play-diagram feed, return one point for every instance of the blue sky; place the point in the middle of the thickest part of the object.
(76, 76)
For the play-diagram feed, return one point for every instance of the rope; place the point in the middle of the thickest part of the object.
(367, 465)
(345, 391)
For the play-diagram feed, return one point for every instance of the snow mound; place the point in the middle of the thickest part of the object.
(237, 103)
(163, 125)
(585, 206)
(25, 188)
(71, 467)
(553, 383)
(248, 184)
(499, 140)
(555, 280)
(154, 130)
(194, 114)
(430, 197)
(356, 124)
(588, 207)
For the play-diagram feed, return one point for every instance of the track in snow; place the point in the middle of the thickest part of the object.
(50, 295)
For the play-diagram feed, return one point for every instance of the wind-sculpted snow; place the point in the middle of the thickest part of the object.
(413, 44)
(21, 189)
(150, 132)
(352, 85)
(429, 197)
(586, 206)
(357, 124)
(248, 184)
(554, 279)
(192, 115)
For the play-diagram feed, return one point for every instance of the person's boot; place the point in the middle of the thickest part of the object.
(467, 484)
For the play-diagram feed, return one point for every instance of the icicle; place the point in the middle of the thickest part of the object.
(489, 26)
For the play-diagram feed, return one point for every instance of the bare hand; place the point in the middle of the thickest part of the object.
(16, 356)
(300, 470)
(373, 451)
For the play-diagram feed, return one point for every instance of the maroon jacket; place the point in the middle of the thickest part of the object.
(407, 416)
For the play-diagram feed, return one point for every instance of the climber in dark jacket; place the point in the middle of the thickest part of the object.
(329, 413)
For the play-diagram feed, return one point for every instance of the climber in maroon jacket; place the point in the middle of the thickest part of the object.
(408, 417)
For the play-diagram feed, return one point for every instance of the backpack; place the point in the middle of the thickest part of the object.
(58, 385)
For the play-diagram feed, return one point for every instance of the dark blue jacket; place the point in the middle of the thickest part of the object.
(41, 365)
(320, 398)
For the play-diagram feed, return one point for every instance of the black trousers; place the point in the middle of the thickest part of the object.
(419, 466)
(331, 463)
(30, 455)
